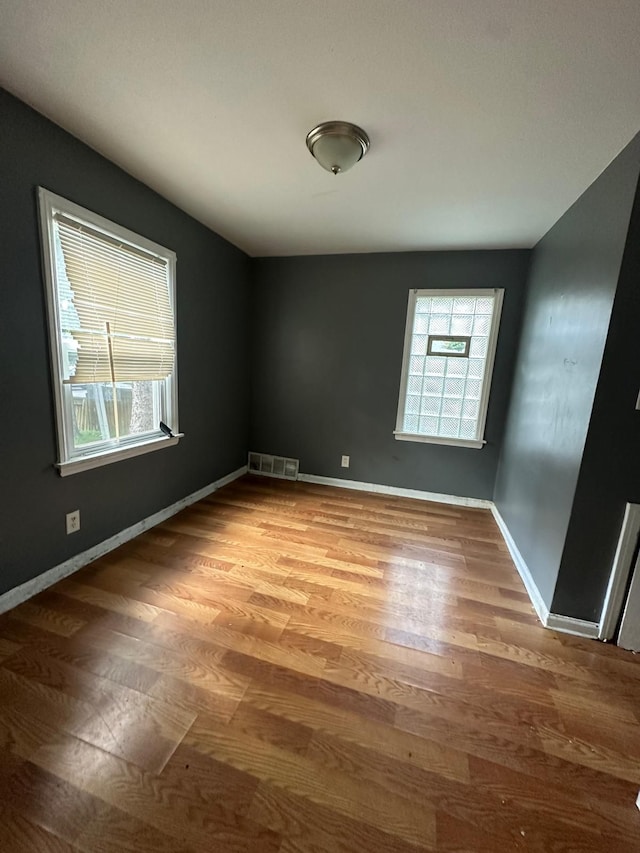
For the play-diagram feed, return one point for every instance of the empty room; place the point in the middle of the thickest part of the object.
(320, 426)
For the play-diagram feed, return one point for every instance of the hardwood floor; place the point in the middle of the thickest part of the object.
(303, 669)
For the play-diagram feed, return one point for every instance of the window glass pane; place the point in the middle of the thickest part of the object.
(451, 407)
(91, 422)
(421, 324)
(476, 367)
(444, 390)
(481, 325)
(414, 385)
(470, 408)
(431, 405)
(484, 306)
(416, 365)
(447, 345)
(461, 324)
(419, 344)
(454, 387)
(428, 426)
(468, 429)
(439, 324)
(463, 305)
(478, 347)
(457, 367)
(472, 390)
(432, 385)
(411, 423)
(435, 366)
(147, 409)
(102, 412)
(413, 405)
(441, 305)
(449, 427)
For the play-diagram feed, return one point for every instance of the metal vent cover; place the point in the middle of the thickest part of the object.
(273, 466)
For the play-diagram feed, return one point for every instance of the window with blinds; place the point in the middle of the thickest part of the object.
(450, 344)
(111, 300)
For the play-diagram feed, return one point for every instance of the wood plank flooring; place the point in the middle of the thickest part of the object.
(290, 668)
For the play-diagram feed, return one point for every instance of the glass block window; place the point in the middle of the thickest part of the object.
(448, 359)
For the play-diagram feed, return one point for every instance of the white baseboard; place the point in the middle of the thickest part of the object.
(523, 570)
(569, 625)
(416, 494)
(32, 587)
(553, 621)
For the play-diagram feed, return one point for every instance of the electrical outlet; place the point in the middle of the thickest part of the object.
(73, 521)
(345, 462)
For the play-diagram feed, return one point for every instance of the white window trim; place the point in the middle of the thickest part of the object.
(478, 293)
(49, 203)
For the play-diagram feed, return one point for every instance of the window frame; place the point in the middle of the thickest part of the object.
(70, 460)
(498, 295)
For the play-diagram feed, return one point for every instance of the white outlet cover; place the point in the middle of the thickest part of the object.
(73, 521)
(345, 462)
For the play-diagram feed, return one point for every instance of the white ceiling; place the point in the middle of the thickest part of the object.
(487, 118)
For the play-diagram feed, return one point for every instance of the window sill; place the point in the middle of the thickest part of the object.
(106, 457)
(432, 439)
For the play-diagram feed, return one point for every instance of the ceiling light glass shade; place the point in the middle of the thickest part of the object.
(337, 145)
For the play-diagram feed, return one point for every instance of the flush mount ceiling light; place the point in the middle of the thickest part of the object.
(337, 145)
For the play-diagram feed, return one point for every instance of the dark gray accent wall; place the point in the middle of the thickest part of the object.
(212, 284)
(328, 334)
(610, 470)
(572, 284)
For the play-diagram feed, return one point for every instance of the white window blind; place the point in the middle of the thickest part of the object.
(112, 330)
(123, 323)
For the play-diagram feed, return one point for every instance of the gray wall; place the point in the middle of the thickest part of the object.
(572, 284)
(212, 284)
(328, 335)
(610, 471)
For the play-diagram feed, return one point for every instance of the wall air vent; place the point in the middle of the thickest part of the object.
(273, 466)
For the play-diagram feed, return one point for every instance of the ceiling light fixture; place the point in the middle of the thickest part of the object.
(337, 145)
